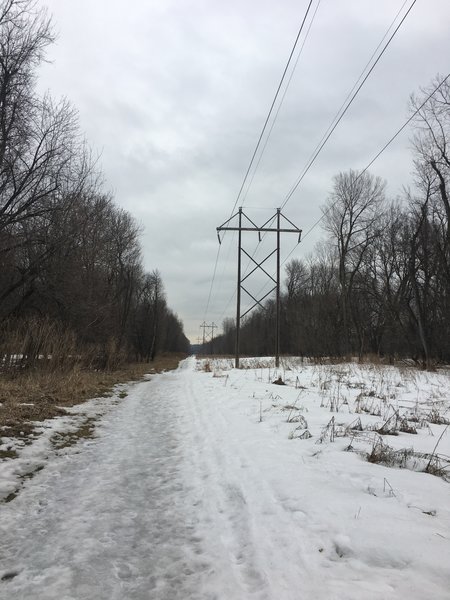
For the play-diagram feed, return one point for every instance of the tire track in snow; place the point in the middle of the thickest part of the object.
(230, 521)
(260, 525)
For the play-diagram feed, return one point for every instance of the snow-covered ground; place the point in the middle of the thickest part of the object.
(203, 485)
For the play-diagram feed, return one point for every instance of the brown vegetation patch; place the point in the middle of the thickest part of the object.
(31, 396)
(70, 438)
(8, 454)
(12, 495)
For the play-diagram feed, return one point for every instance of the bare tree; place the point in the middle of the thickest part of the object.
(431, 143)
(67, 252)
(43, 160)
(351, 216)
(430, 239)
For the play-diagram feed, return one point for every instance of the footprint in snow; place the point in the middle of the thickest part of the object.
(123, 571)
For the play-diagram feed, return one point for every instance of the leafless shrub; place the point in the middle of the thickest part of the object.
(300, 419)
(406, 427)
(355, 425)
(435, 465)
(300, 433)
(39, 343)
(329, 431)
(384, 454)
(439, 465)
(406, 458)
(435, 417)
(369, 404)
(391, 425)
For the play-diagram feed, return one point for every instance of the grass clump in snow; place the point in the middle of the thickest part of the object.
(406, 458)
(300, 433)
(382, 453)
(69, 438)
(24, 477)
(8, 454)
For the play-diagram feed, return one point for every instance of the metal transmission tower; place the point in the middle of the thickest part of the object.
(249, 225)
(208, 334)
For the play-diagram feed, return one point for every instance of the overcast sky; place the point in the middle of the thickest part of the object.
(174, 93)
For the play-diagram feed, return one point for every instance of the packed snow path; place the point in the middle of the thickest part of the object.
(179, 497)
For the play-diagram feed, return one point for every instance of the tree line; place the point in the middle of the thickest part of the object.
(379, 283)
(70, 257)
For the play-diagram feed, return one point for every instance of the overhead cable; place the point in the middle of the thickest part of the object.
(260, 139)
(271, 107)
(343, 112)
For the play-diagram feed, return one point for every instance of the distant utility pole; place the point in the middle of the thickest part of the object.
(249, 225)
(208, 334)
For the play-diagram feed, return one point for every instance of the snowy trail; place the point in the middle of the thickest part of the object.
(184, 494)
(111, 522)
(166, 503)
(247, 520)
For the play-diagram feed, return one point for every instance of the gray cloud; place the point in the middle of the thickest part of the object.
(174, 94)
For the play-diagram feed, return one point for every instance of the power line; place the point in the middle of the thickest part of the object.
(335, 122)
(263, 131)
(404, 125)
(282, 100)
(342, 105)
(366, 66)
(212, 283)
(386, 145)
(225, 263)
(377, 155)
(271, 107)
(348, 104)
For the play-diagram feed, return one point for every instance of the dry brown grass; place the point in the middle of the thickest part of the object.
(32, 396)
(69, 438)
